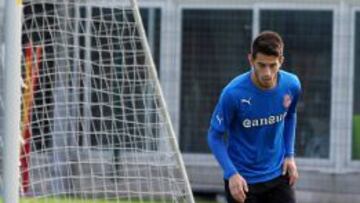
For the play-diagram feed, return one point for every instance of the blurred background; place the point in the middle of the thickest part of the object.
(199, 46)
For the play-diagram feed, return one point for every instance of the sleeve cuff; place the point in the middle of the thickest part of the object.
(228, 174)
(290, 155)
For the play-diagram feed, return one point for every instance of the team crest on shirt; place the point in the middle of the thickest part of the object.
(287, 101)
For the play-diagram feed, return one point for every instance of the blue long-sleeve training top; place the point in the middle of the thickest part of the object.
(259, 124)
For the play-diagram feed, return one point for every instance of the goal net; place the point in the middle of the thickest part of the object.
(94, 124)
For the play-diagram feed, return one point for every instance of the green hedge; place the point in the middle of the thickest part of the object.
(356, 137)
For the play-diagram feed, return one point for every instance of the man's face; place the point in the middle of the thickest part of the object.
(266, 68)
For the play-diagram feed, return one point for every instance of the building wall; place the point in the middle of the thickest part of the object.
(328, 172)
(1, 80)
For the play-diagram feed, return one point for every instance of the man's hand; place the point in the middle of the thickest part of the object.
(238, 187)
(290, 168)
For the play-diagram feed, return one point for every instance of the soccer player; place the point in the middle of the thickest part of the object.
(257, 111)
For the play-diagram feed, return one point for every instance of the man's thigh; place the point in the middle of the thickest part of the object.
(282, 192)
(253, 196)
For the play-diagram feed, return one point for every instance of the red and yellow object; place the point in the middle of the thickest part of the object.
(31, 79)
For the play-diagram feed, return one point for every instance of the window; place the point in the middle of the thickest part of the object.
(356, 109)
(308, 53)
(215, 44)
(151, 18)
(103, 57)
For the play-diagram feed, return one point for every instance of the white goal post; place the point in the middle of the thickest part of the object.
(85, 117)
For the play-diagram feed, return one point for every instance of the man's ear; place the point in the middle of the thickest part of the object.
(251, 59)
(282, 59)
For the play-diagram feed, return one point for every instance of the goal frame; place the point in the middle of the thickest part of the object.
(12, 94)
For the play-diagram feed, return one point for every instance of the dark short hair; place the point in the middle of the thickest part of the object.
(268, 43)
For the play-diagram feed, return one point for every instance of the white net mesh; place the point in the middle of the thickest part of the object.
(93, 125)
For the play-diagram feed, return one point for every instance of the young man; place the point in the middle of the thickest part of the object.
(257, 110)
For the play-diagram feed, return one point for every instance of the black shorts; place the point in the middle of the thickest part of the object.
(276, 190)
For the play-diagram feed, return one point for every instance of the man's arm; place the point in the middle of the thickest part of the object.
(220, 122)
(291, 119)
(237, 184)
(289, 134)
(218, 148)
(221, 119)
(289, 166)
